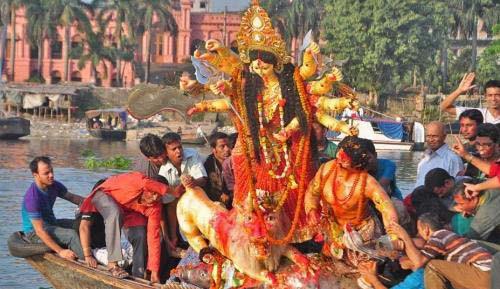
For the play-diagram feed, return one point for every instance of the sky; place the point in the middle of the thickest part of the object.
(232, 5)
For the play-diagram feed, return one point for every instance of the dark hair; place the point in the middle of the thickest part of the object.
(488, 130)
(36, 160)
(472, 114)
(232, 139)
(491, 83)
(213, 138)
(432, 220)
(436, 178)
(152, 146)
(160, 179)
(459, 188)
(253, 86)
(369, 145)
(170, 137)
(357, 149)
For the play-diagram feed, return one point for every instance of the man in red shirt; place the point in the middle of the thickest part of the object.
(135, 192)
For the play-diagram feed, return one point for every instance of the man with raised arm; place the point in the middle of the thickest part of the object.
(491, 113)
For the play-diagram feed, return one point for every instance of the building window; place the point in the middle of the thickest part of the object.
(56, 50)
(76, 76)
(76, 47)
(203, 5)
(55, 77)
(8, 48)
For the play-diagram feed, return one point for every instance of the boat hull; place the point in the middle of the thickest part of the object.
(14, 127)
(108, 134)
(65, 274)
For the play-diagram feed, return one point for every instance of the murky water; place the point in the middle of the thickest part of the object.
(15, 178)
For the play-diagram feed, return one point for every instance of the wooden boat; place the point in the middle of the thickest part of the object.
(65, 274)
(389, 134)
(14, 127)
(107, 124)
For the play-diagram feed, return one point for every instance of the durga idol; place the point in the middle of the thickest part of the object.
(273, 108)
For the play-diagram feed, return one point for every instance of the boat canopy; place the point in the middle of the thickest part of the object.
(108, 113)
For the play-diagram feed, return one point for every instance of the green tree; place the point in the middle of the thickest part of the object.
(489, 62)
(147, 10)
(67, 13)
(466, 14)
(122, 13)
(40, 27)
(96, 52)
(8, 10)
(388, 44)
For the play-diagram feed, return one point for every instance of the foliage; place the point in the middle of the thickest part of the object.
(115, 162)
(36, 79)
(385, 42)
(489, 62)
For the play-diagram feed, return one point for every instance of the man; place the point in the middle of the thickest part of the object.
(469, 122)
(227, 167)
(487, 148)
(491, 114)
(437, 154)
(484, 209)
(135, 192)
(91, 229)
(216, 187)
(441, 184)
(39, 222)
(180, 162)
(153, 149)
(326, 148)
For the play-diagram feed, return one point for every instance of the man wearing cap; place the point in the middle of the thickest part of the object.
(136, 192)
(484, 210)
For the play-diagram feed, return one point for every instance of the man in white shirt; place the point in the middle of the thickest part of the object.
(437, 154)
(180, 162)
(491, 113)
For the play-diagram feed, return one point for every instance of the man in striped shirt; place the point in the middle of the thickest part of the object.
(451, 259)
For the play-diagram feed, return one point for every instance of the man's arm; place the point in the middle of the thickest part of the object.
(416, 257)
(201, 182)
(85, 240)
(465, 85)
(73, 198)
(47, 240)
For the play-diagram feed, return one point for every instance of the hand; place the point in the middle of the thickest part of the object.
(91, 261)
(213, 45)
(67, 254)
(405, 263)
(466, 83)
(155, 278)
(396, 229)
(192, 111)
(217, 88)
(178, 191)
(459, 148)
(313, 48)
(187, 181)
(470, 190)
(368, 270)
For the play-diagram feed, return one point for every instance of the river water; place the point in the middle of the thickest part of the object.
(69, 169)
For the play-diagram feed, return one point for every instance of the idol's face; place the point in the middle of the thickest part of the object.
(261, 68)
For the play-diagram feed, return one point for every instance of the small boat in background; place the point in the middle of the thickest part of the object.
(388, 134)
(14, 127)
(107, 124)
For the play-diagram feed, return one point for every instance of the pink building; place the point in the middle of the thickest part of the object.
(165, 49)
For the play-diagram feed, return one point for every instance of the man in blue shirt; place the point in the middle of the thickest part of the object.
(39, 222)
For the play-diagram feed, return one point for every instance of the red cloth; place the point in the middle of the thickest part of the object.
(133, 219)
(125, 190)
(494, 170)
(408, 202)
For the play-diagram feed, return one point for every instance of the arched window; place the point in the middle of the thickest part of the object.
(55, 77)
(76, 47)
(76, 76)
(56, 49)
